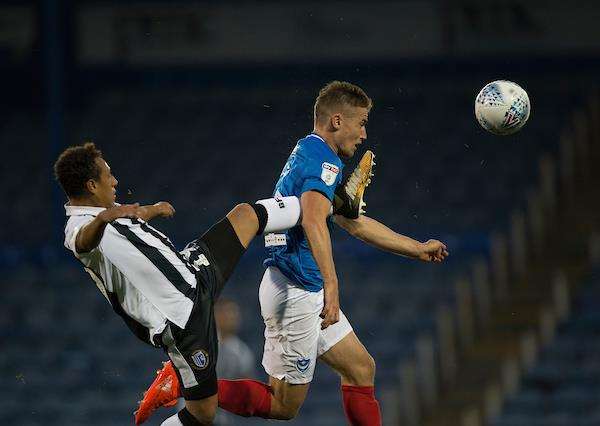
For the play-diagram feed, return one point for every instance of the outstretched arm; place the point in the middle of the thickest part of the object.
(162, 208)
(380, 236)
(89, 236)
(315, 209)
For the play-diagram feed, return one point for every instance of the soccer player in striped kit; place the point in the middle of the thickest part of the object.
(299, 290)
(165, 296)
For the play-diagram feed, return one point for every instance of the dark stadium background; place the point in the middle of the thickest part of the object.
(199, 103)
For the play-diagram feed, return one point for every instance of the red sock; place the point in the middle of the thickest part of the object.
(360, 405)
(248, 398)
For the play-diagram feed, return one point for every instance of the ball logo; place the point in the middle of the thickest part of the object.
(302, 364)
(511, 118)
(200, 359)
(519, 110)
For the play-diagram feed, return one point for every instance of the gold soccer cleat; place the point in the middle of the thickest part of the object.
(348, 200)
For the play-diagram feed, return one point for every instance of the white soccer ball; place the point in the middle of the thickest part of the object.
(502, 107)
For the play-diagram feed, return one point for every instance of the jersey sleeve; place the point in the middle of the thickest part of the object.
(74, 225)
(320, 176)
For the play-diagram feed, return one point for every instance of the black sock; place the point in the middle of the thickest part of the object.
(262, 215)
(187, 418)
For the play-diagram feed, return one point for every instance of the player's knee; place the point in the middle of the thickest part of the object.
(370, 368)
(242, 210)
(363, 372)
(367, 369)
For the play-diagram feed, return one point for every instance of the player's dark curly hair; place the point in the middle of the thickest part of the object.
(75, 166)
(339, 94)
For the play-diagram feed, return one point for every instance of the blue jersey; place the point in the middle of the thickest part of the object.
(312, 166)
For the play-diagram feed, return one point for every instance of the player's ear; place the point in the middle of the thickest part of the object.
(336, 121)
(91, 186)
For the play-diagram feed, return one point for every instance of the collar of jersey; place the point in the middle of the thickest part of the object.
(324, 143)
(317, 136)
(82, 210)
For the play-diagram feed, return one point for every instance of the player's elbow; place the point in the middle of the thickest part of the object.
(81, 249)
(84, 245)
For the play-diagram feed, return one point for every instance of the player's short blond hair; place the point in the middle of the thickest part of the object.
(339, 94)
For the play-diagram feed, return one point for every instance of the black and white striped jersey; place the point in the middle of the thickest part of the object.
(137, 269)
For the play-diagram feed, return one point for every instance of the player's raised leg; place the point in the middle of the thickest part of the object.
(269, 215)
(226, 241)
(215, 255)
(356, 367)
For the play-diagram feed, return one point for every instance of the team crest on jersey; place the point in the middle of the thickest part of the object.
(302, 364)
(329, 173)
(200, 359)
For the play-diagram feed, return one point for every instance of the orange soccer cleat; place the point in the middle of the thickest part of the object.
(163, 392)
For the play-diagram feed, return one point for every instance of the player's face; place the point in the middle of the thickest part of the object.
(353, 130)
(104, 188)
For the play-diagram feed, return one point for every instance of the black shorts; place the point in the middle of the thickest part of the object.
(193, 349)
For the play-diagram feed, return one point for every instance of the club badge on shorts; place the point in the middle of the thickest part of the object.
(200, 359)
(329, 173)
(302, 364)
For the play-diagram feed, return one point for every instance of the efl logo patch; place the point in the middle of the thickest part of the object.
(200, 359)
(302, 364)
(329, 173)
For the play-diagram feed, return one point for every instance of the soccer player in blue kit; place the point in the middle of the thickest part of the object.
(299, 293)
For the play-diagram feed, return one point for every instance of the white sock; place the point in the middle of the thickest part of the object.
(283, 213)
(172, 421)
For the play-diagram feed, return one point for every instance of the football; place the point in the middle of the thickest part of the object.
(502, 107)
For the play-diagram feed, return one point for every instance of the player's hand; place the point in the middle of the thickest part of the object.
(433, 251)
(331, 307)
(131, 211)
(165, 209)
